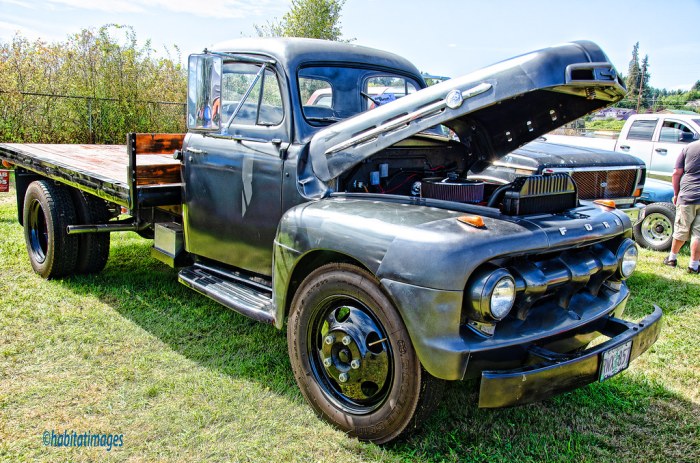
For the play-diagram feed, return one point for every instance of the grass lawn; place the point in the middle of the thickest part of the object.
(131, 351)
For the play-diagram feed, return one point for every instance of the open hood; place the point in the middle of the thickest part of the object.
(493, 111)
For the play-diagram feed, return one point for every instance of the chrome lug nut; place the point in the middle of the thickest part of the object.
(327, 361)
(347, 340)
(343, 377)
(355, 364)
(330, 339)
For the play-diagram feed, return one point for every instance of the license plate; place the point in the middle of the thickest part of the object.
(4, 181)
(615, 360)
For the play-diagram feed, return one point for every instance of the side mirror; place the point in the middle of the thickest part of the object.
(687, 137)
(204, 92)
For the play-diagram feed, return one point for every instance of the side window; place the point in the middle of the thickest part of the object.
(263, 105)
(642, 130)
(675, 132)
(384, 89)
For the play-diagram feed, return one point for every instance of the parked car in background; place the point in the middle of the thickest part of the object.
(598, 174)
(654, 226)
(656, 139)
(375, 95)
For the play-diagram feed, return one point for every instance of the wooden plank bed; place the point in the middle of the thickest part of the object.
(143, 171)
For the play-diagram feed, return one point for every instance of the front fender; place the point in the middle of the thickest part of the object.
(423, 257)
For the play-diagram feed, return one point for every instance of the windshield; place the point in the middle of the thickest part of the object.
(332, 93)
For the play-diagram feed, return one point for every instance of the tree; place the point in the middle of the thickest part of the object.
(318, 19)
(633, 77)
(645, 97)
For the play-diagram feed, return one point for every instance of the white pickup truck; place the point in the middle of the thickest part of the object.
(656, 139)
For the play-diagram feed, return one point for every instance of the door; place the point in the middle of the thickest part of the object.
(673, 137)
(233, 178)
(638, 139)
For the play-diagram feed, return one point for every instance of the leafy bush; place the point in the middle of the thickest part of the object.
(92, 88)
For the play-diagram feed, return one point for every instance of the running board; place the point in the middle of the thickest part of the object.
(246, 300)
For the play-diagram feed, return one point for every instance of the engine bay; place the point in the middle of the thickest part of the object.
(439, 170)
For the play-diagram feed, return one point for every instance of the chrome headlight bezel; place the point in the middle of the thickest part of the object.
(488, 285)
(627, 258)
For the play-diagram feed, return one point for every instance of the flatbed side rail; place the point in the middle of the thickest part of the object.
(154, 180)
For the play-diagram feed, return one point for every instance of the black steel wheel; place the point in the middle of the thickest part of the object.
(352, 356)
(655, 230)
(93, 248)
(48, 210)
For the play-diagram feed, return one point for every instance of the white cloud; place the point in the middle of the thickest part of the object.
(9, 29)
(221, 9)
(21, 3)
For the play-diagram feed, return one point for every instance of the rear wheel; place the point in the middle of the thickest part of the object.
(93, 248)
(353, 359)
(655, 230)
(48, 210)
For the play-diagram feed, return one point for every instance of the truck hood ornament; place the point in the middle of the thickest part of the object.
(503, 107)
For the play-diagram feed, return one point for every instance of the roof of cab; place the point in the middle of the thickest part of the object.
(293, 53)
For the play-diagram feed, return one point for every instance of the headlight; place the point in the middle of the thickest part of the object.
(502, 297)
(627, 255)
(492, 294)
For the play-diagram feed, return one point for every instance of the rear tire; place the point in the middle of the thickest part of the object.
(48, 210)
(353, 359)
(655, 230)
(93, 248)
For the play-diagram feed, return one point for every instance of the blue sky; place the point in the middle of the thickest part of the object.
(446, 37)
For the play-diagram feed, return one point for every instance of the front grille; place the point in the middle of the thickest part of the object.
(563, 275)
(605, 184)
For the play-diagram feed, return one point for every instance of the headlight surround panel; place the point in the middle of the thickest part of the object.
(504, 287)
(491, 296)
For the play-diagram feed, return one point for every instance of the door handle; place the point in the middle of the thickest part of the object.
(195, 150)
(661, 150)
(624, 147)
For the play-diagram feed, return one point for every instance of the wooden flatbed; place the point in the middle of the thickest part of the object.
(141, 173)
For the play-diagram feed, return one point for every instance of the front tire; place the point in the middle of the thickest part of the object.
(353, 359)
(48, 210)
(655, 230)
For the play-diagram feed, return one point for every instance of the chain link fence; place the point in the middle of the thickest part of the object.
(27, 117)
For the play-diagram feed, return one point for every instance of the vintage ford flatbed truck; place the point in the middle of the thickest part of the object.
(354, 223)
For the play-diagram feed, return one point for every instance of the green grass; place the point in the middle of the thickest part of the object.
(130, 351)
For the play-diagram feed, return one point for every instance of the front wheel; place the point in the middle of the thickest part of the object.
(352, 356)
(655, 230)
